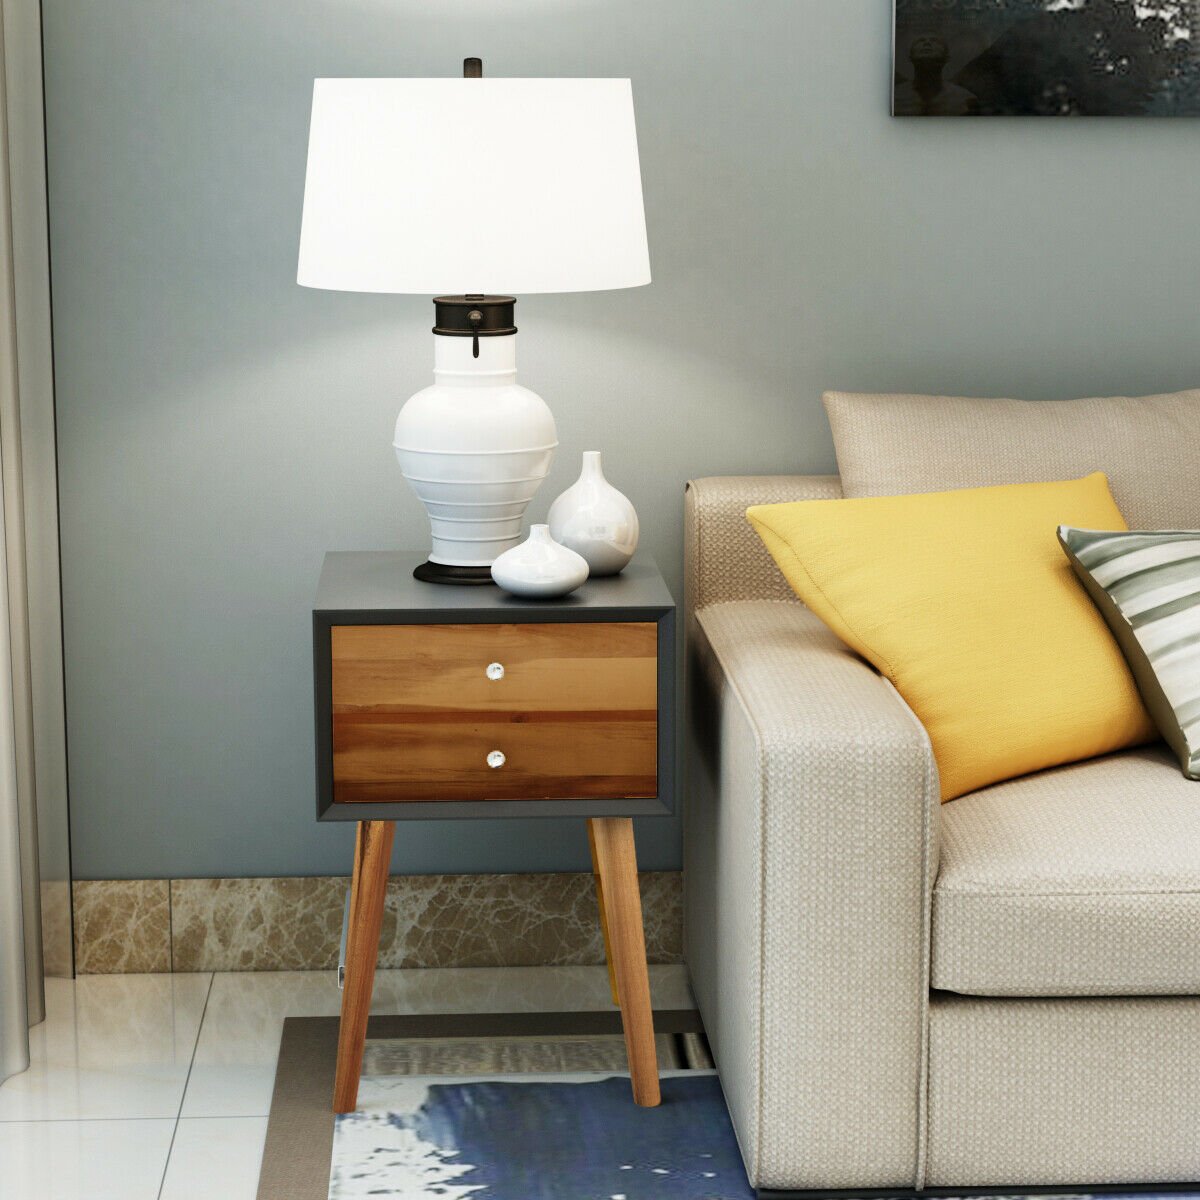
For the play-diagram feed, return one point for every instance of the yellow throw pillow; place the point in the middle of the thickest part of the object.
(965, 601)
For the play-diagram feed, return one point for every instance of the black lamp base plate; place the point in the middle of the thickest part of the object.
(431, 572)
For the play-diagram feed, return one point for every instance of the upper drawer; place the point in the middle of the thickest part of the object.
(575, 667)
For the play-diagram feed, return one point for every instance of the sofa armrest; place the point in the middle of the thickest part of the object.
(810, 851)
(725, 559)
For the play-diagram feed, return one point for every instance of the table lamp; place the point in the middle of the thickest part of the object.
(473, 189)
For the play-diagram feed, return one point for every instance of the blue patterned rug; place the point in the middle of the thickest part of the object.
(537, 1139)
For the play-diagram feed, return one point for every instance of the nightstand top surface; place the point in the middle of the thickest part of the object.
(370, 581)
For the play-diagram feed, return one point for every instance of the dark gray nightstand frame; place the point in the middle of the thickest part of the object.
(372, 588)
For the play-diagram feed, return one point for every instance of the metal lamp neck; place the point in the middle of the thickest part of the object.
(474, 317)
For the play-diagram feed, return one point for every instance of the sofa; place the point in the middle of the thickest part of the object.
(903, 996)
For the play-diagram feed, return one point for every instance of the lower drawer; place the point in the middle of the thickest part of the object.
(383, 757)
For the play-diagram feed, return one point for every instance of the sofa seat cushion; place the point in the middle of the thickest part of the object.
(1078, 881)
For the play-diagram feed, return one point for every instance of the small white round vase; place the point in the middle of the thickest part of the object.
(539, 567)
(592, 518)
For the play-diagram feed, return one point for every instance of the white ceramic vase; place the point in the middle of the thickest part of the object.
(592, 518)
(539, 567)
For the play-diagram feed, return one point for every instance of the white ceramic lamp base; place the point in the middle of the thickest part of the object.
(474, 447)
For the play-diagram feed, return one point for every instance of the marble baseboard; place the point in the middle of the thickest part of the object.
(122, 926)
(296, 924)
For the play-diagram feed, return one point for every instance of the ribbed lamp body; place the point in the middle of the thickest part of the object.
(475, 446)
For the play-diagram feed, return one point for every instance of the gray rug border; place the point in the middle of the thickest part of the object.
(298, 1150)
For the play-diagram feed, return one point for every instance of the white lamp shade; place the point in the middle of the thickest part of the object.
(473, 186)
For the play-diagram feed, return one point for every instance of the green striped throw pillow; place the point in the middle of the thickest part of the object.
(1147, 585)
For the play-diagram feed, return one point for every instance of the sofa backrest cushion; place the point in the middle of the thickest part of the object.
(1148, 447)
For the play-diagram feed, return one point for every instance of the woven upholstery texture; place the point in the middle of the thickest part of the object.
(1080, 881)
(811, 844)
(1078, 1091)
(722, 885)
(888, 445)
(724, 558)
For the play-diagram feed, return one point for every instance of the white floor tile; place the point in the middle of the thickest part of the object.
(83, 1160)
(112, 1046)
(215, 1158)
(234, 1090)
(234, 1069)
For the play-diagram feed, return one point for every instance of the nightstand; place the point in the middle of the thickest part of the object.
(435, 701)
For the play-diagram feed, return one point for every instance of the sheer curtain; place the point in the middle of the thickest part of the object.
(17, 891)
(34, 855)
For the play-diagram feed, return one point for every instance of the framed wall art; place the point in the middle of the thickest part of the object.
(1052, 58)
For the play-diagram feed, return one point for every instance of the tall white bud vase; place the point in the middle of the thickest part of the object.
(595, 520)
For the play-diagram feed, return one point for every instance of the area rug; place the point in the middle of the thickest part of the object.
(420, 1070)
(575, 1138)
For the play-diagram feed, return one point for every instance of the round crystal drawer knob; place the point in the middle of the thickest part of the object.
(495, 671)
(495, 759)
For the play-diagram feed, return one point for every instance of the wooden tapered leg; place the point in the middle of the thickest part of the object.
(608, 958)
(372, 855)
(616, 861)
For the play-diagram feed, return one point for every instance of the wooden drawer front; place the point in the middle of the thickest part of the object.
(415, 714)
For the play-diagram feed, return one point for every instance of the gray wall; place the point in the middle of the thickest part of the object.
(220, 427)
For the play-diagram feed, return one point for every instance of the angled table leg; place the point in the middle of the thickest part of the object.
(608, 958)
(616, 861)
(372, 856)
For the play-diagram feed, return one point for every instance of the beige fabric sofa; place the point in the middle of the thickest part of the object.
(1002, 992)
